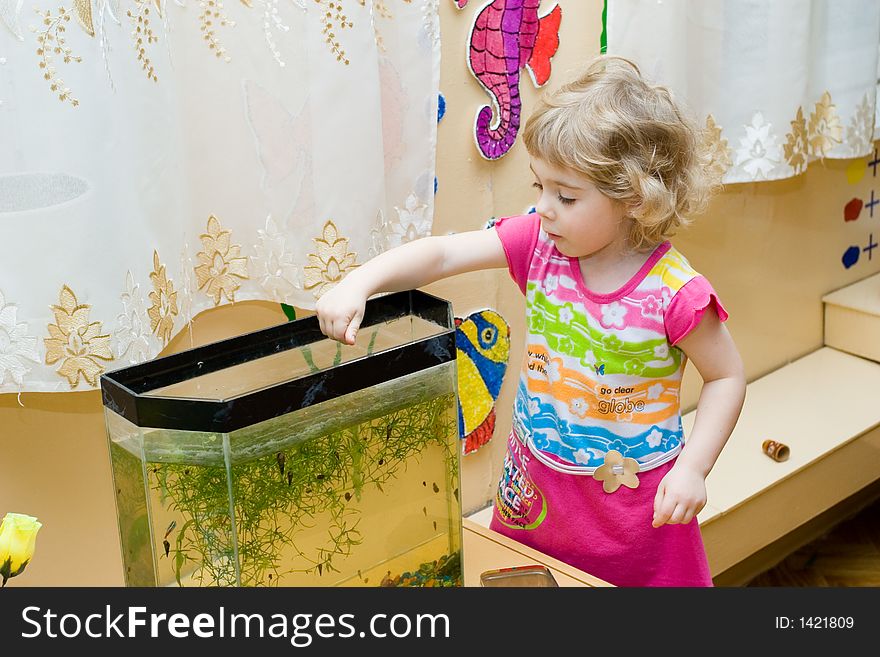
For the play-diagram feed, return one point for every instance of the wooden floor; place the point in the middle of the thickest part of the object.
(848, 555)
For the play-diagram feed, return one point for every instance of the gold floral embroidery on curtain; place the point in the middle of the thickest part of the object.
(221, 266)
(717, 148)
(76, 342)
(213, 14)
(795, 147)
(50, 42)
(331, 262)
(83, 10)
(824, 129)
(143, 34)
(164, 302)
(333, 17)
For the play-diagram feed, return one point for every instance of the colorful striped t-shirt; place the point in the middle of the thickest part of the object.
(601, 372)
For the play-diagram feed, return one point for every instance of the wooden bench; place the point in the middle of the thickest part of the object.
(826, 408)
(852, 318)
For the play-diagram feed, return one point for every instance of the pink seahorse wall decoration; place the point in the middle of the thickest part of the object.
(507, 36)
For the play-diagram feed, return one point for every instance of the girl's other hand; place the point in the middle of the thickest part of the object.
(340, 312)
(681, 495)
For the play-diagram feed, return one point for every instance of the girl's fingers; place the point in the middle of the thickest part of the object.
(658, 498)
(339, 327)
(677, 514)
(667, 506)
(353, 327)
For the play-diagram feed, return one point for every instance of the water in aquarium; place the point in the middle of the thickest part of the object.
(360, 490)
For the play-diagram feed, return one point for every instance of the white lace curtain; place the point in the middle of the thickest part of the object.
(159, 157)
(778, 84)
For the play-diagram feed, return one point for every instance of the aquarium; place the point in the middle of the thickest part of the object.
(282, 458)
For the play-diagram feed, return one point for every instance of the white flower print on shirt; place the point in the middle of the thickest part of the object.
(565, 314)
(611, 342)
(551, 282)
(579, 407)
(613, 314)
(634, 367)
(661, 351)
(654, 438)
(534, 406)
(581, 456)
(565, 344)
(655, 391)
(651, 307)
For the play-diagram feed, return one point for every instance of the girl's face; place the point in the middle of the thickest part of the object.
(579, 219)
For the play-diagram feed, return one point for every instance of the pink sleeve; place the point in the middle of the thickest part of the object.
(519, 235)
(687, 307)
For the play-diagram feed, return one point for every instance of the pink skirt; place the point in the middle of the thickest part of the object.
(608, 535)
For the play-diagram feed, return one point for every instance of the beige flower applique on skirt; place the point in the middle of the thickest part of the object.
(617, 470)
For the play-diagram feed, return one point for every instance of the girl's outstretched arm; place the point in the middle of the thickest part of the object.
(681, 494)
(405, 267)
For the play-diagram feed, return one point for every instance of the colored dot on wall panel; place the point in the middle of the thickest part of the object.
(852, 210)
(855, 171)
(851, 256)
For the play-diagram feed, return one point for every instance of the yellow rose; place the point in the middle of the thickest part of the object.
(18, 534)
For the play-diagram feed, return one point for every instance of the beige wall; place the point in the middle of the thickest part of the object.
(771, 250)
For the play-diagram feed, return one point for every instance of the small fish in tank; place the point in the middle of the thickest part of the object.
(328, 491)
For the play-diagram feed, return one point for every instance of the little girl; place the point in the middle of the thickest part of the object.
(597, 471)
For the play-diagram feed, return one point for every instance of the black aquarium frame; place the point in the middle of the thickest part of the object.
(123, 391)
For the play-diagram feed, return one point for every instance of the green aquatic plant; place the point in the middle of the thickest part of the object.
(236, 519)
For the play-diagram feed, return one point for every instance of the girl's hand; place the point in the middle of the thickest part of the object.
(681, 495)
(341, 310)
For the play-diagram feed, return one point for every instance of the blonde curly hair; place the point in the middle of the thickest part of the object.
(632, 140)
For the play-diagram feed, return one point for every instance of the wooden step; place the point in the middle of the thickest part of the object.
(852, 318)
(826, 408)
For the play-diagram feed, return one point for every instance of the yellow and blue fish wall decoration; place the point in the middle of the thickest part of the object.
(482, 341)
